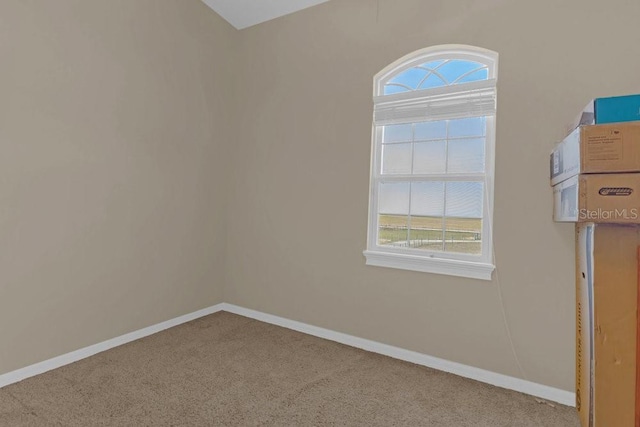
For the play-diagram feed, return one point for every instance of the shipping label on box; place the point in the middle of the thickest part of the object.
(598, 198)
(614, 109)
(597, 149)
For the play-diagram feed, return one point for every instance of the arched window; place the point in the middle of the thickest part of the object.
(432, 163)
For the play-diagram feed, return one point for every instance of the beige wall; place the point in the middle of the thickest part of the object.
(114, 129)
(298, 209)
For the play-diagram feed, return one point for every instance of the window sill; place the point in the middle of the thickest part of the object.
(450, 267)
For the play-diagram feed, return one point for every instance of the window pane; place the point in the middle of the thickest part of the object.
(427, 210)
(463, 222)
(475, 76)
(456, 68)
(427, 199)
(464, 199)
(392, 230)
(474, 126)
(466, 155)
(393, 198)
(397, 133)
(429, 157)
(433, 64)
(426, 233)
(430, 130)
(432, 81)
(410, 78)
(436, 74)
(463, 235)
(390, 89)
(396, 158)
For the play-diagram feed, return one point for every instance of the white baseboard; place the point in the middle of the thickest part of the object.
(74, 356)
(499, 380)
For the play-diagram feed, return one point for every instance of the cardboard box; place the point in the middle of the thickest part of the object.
(597, 149)
(584, 324)
(614, 109)
(600, 198)
(606, 324)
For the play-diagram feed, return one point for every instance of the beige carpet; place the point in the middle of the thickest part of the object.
(225, 369)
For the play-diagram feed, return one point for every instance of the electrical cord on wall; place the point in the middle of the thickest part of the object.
(500, 296)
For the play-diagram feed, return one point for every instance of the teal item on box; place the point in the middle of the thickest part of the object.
(617, 109)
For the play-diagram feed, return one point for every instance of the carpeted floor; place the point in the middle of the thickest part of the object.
(229, 370)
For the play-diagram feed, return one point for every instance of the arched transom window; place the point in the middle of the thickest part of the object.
(438, 73)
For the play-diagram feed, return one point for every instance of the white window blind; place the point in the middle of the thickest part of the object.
(467, 100)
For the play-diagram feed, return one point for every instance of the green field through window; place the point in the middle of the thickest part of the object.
(460, 235)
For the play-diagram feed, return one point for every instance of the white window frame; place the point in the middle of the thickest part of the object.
(451, 102)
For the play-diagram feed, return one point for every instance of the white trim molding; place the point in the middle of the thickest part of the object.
(472, 270)
(499, 380)
(83, 353)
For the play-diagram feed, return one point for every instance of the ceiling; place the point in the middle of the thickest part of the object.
(245, 13)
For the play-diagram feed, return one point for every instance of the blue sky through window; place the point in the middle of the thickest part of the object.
(436, 74)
